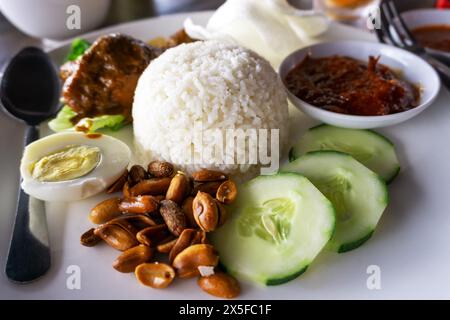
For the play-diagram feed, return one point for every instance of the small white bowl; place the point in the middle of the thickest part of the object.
(425, 17)
(412, 68)
(48, 18)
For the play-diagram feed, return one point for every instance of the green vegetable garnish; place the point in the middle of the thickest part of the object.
(63, 121)
(77, 48)
(112, 122)
(66, 114)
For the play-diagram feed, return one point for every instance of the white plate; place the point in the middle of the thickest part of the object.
(410, 246)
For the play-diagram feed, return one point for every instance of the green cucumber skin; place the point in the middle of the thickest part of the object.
(333, 229)
(292, 156)
(357, 243)
(304, 267)
(369, 130)
(382, 137)
(332, 208)
(327, 151)
(386, 190)
(393, 176)
(283, 280)
(395, 173)
(278, 281)
(353, 245)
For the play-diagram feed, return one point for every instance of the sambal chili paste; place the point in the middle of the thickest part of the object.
(346, 85)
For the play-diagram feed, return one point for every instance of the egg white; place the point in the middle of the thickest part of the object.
(115, 157)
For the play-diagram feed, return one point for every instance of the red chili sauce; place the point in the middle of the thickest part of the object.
(433, 36)
(94, 135)
(346, 85)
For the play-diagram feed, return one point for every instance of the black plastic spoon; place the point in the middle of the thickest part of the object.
(29, 91)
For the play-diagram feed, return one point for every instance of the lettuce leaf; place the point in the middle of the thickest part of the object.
(77, 48)
(62, 121)
(112, 122)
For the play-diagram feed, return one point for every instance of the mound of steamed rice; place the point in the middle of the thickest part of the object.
(202, 86)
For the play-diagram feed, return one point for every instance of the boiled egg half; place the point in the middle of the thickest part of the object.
(72, 166)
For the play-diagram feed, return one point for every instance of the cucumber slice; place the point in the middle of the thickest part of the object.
(279, 224)
(373, 150)
(358, 194)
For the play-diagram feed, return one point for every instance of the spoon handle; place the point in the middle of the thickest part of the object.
(29, 251)
(31, 134)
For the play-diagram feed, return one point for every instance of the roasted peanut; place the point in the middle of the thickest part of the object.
(131, 258)
(160, 198)
(199, 237)
(187, 238)
(186, 263)
(152, 235)
(187, 208)
(126, 190)
(137, 174)
(173, 216)
(139, 204)
(105, 211)
(205, 175)
(158, 205)
(118, 184)
(191, 184)
(183, 241)
(89, 238)
(160, 169)
(134, 222)
(156, 216)
(166, 246)
(178, 188)
(208, 187)
(154, 187)
(223, 213)
(125, 221)
(220, 285)
(205, 211)
(155, 275)
(227, 192)
(116, 236)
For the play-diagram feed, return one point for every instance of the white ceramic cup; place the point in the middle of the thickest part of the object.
(53, 19)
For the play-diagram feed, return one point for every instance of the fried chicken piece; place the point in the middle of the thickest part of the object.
(103, 80)
(174, 40)
(66, 70)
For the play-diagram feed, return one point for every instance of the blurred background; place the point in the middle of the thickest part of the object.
(27, 15)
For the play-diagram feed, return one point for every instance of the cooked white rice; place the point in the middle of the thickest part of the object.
(221, 85)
